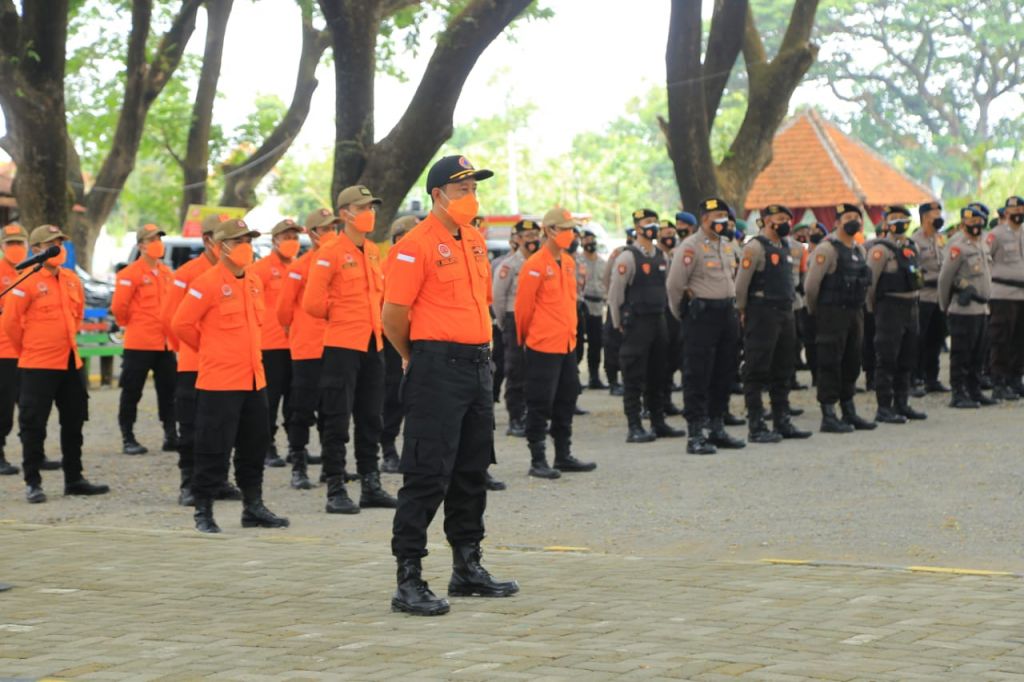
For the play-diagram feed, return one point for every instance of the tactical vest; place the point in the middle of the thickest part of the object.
(847, 287)
(647, 295)
(908, 276)
(775, 282)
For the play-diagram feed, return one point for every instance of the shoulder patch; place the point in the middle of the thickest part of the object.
(820, 258)
(746, 263)
(876, 254)
(954, 253)
(18, 292)
(991, 237)
(181, 285)
(405, 258)
(622, 268)
(323, 263)
(124, 282)
(295, 275)
(533, 273)
(503, 272)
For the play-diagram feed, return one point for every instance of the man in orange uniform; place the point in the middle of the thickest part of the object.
(220, 318)
(277, 359)
(345, 288)
(137, 305)
(436, 314)
(188, 366)
(40, 321)
(306, 340)
(14, 244)
(546, 326)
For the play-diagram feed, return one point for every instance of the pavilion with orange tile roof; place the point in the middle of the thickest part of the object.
(816, 166)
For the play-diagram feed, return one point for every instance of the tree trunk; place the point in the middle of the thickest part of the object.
(32, 59)
(195, 165)
(397, 161)
(240, 181)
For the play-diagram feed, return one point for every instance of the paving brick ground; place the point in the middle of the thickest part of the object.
(104, 604)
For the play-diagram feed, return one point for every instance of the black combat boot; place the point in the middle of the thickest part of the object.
(615, 389)
(697, 442)
(272, 458)
(34, 494)
(130, 446)
(935, 386)
(516, 428)
(170, 443)
(1017, 384)
(637, 433)
(1003, 391)
(961, 399)
(228, 492)
(758, 431)
(373, 495)
(389, 458)
(903, 407)
(318, 459)
(729, 419)
(185, 496)
(300, 476)
(830, 423)
(719, 437)
(851, 417)
(255, 514)
(338, 501)
(596, 384)
(662, 429)
(539, 463)
(470, 579)
(784, 426)
(204, 516)
(413, 594)
(917, 389)
(671, 410)
(980, 398)
(50, 464)
(84, 487)
(494, 484)
(565, 462)
(6, 468)
(886, 414)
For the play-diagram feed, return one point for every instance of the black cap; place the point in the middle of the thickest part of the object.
(642, 213)
(524, 225)
(686, 217)
(1013, 202)
(928, 206)
(453, 169)
(776, 209)
(896, 209)
(973, 211)
(712, 204)
(979, 207)
(847, 208)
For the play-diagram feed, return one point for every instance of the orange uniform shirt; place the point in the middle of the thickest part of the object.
(446, 283)
(41, 318)
(138, 304)
(272, 273)
(305, 332)
(546, 303)
(8, 276)
(220, 317)
(188, 359)
(346, 287)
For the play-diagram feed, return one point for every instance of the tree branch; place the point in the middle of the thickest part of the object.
(724, 45)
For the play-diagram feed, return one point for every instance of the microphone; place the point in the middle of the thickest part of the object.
(38, 258)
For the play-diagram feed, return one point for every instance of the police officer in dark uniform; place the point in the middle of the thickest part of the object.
(764, 295)
(668, 238)
(896, 280)
(702, 294)
(637, 302)
(836, 286)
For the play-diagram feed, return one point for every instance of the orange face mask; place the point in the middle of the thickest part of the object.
(59, 259)
(288, 248)
(15, 253)
(241, 255)
(155, 249)
(363, 222)
(463, 209)
(564, 239)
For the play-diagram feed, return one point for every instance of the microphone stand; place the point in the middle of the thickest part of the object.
(34, 270)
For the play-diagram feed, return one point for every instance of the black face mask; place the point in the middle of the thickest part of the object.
(683, 234)
(668, 242)
(629, 241)
(817, 238)
(802, 240)
(851, 227)
(531, 246)
(720, 226)
(650, 232)
(975, 230)
(574, 246)
(899, 227)
(590, 248)
(1017, 219)
(782, 229)
(938, 223)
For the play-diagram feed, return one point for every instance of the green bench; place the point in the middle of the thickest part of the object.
(98, 345)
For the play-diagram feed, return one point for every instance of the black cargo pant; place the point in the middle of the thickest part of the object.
(595, 344)
(8, 397)
(226, 420)
(933, 333)
(867, 356)
(581, 331)
(277, 365)
(135, 367)
(711, 330)
(896, 334)
(497, 359)
(351, 390)
(769, 348)
(447, 446)
(552, 384)
(807, 335)
(392, 411)
(673, 355)
(185, 409)
(515, 371)
(612, 341)
(40, 390)
(305, 403)
(966, 351)
(642, 358)
(1006, 336)
(840, 336)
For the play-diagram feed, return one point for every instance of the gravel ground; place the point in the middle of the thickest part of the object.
(948, 491)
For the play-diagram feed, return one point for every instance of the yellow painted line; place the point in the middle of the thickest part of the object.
(958, 571)
(563, 548)
(788, 562)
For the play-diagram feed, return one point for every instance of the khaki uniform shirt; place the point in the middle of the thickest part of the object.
(929, 257)
(1006, 251)
(594, 284)
(966, 263)
(702, 267)
(506, 281)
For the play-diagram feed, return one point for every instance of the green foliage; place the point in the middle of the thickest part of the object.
(303, 187)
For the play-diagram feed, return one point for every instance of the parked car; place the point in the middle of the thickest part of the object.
(98, 293)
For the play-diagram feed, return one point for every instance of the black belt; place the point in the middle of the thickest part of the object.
(464, 351)
(1008, 282)
(777, 305)
(593, 299)
(931, 285)
(717, 303)
(897, 299)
